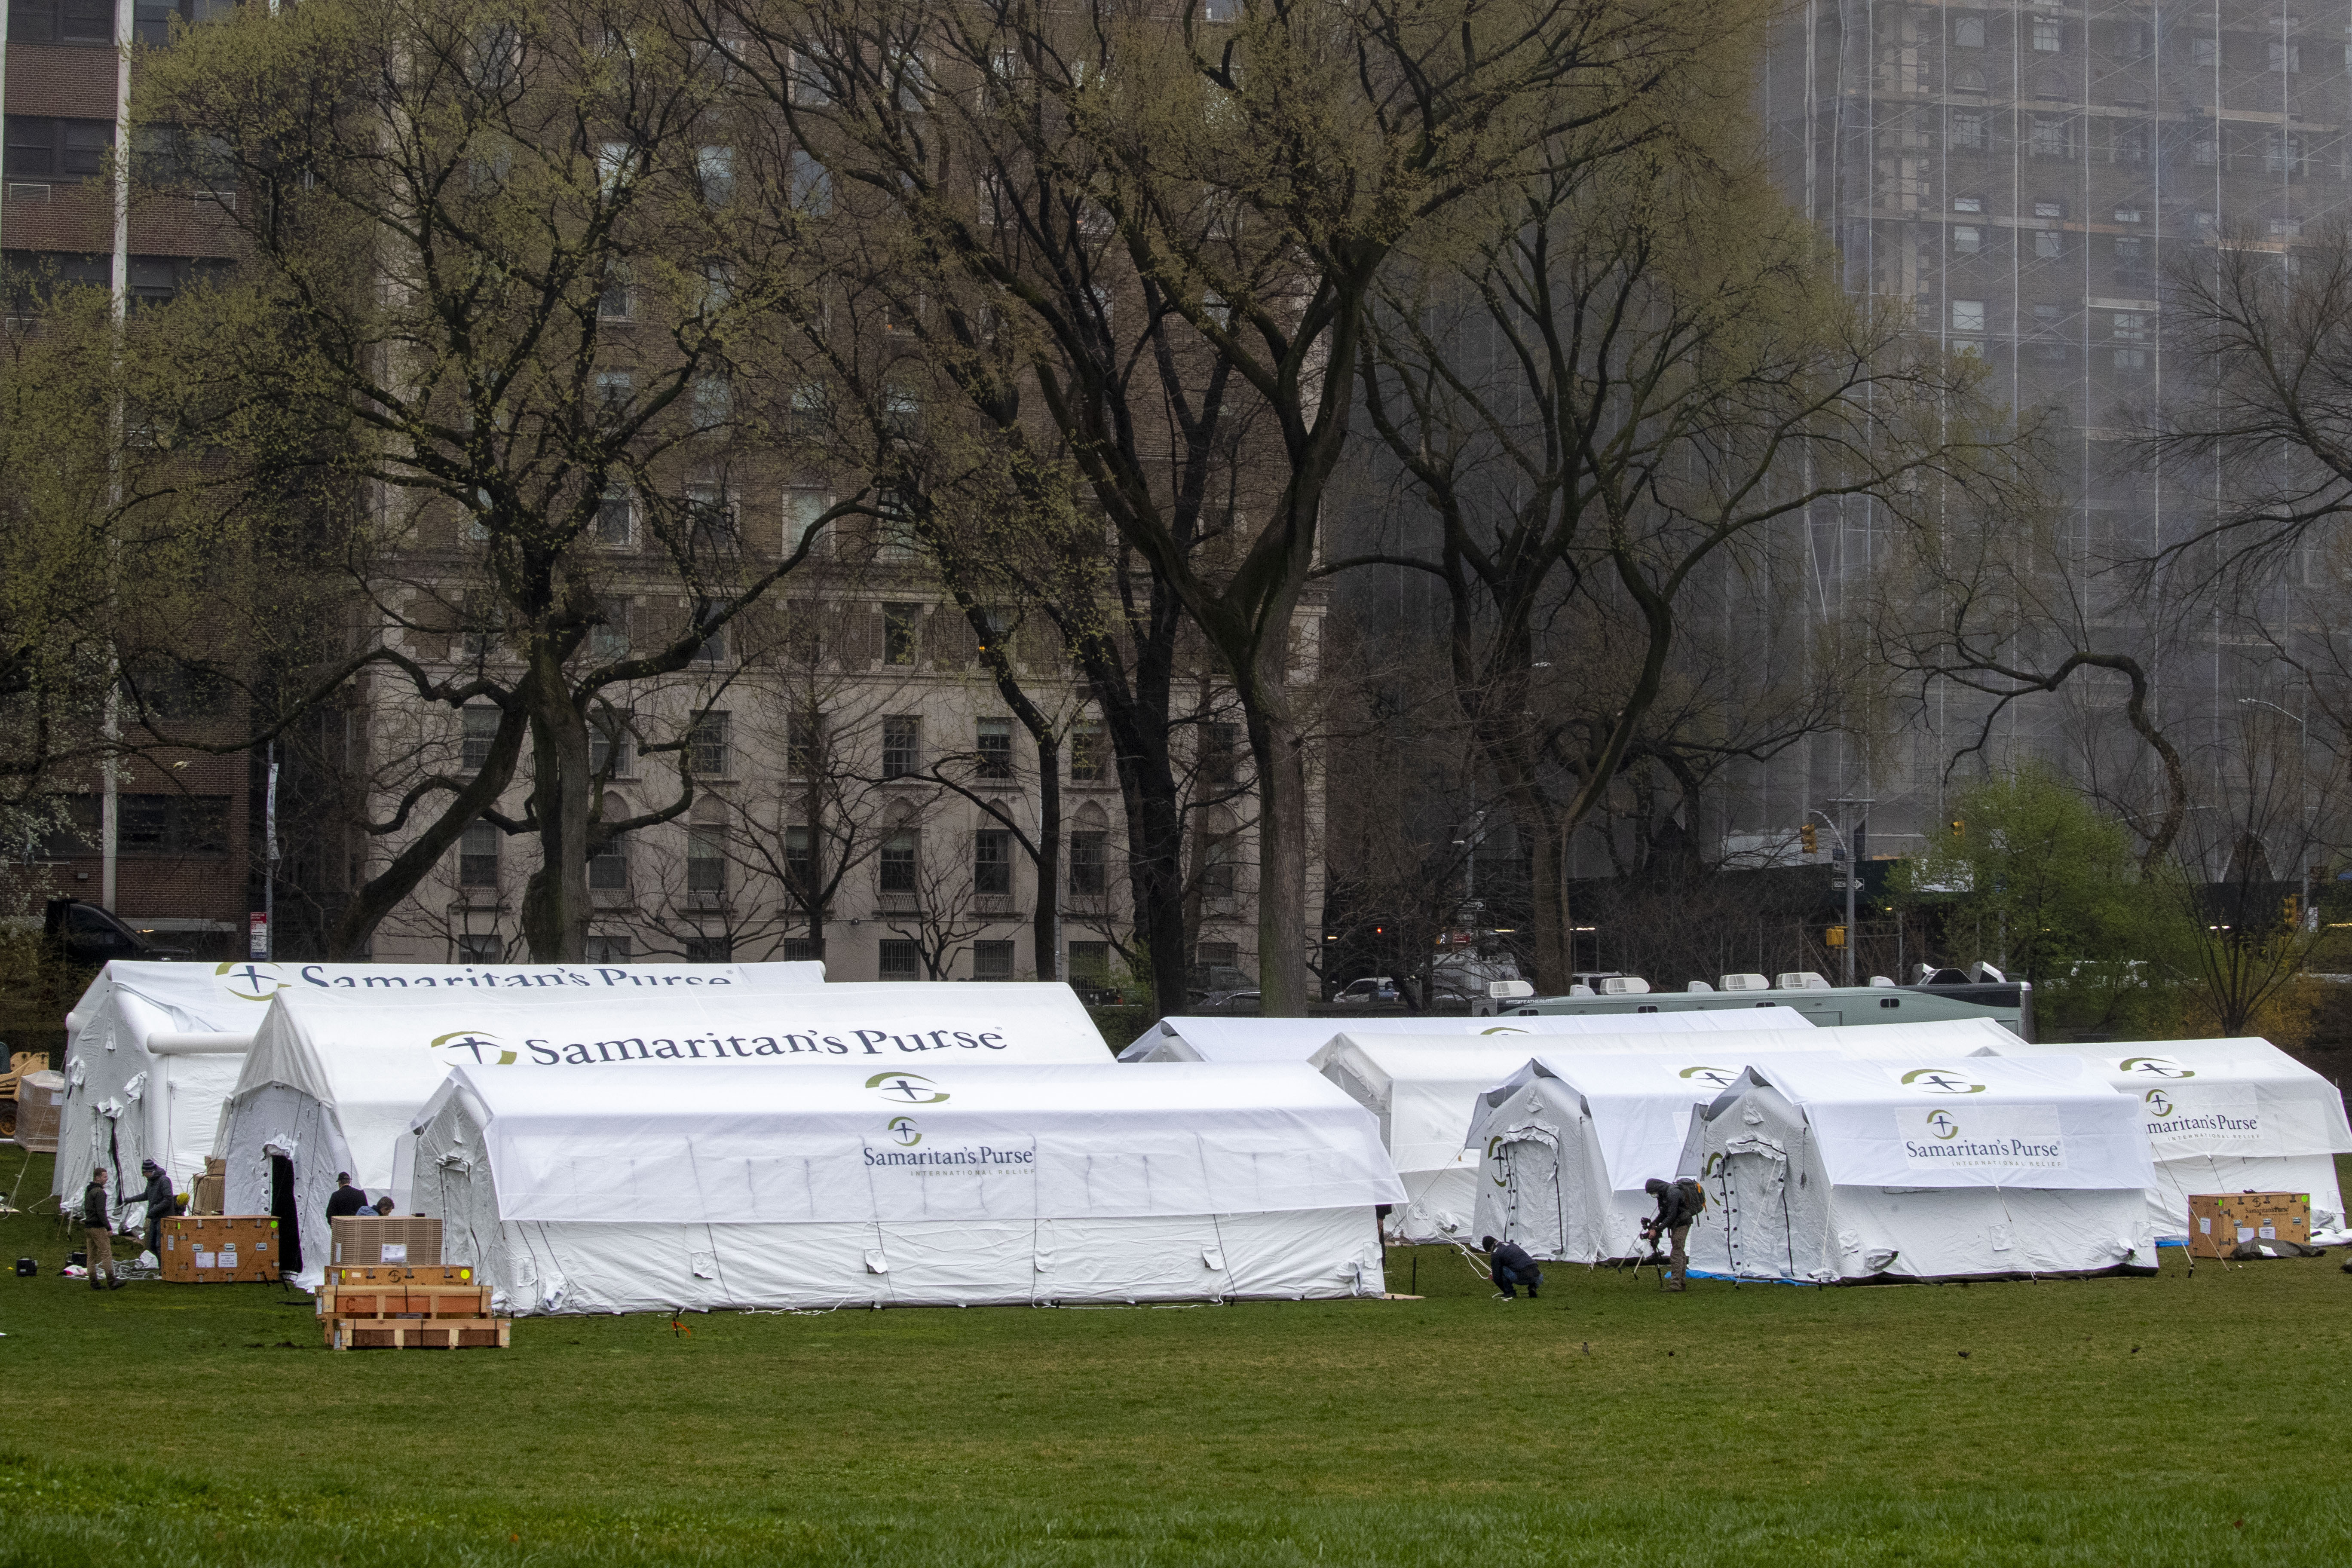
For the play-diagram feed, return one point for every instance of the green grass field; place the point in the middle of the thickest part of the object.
(2170, 1420)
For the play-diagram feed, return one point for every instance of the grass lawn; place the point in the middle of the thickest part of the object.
(2172, 1420)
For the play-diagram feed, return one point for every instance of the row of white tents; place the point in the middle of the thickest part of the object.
(642, 1136)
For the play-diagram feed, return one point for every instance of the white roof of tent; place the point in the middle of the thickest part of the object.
(736, 1144)
(2218, 1097)
(1425, 1089)
(1296, 1040)
(375, 1067)
(1983, 1121)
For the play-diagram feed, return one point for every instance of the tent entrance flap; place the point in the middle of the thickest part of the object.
(283, 1206)
(1534, 1209)
(1753, 1187)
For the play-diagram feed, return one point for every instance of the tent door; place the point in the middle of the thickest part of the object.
(281, 1206)
(1754, 1193)
(1532, 1210)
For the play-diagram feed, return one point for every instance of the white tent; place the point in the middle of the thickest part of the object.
(2225, 1116)
(328, 1086)
(1422, 1090)
(1820, 1170)
(1296, 1040)
(154, 1049)
(611, 1189)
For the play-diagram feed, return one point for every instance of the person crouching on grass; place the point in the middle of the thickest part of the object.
(98, 1232)
(1512, 1268)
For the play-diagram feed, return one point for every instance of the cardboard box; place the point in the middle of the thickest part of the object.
(2219, 1222)
(399, 1242)
(220, 1249)
(205, 1193)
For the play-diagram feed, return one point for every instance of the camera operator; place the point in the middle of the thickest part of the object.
(1513, 1266)
(1679, 1202)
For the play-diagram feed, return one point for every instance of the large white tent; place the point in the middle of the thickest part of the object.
(1296, 1040)
(2225, 1116)
(328, 1086)
(611, 1189)
(154, 1049)
(1820, 1170)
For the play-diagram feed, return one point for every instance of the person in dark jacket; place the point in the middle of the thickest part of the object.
(162, 1204)
(346, 1199)
(1512, 1268)
(98, 1232)
(1678, 1204)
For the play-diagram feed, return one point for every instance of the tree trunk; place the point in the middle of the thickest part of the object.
(1155, 867)
(1044, 922)
(1279, 752)
(555, 903)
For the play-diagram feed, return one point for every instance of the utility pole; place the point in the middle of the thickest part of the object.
(1843, 830)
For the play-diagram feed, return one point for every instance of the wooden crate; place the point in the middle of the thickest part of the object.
(219, 1249)
(407, 1301)
(418, 1333)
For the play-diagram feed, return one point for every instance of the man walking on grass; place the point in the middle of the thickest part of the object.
(1513, 1266)
(98, 1232)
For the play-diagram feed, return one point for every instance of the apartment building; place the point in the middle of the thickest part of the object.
(175, 859)
(2029, 177)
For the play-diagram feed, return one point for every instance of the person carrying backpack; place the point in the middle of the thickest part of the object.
(1679, 1202)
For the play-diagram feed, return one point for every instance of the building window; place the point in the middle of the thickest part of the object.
(2204, 51)
(1089, 749)
(992, 961)
(1970, 130)
(1089, 868)
(615, 390)
(895, 538)
(706, 860)
(713, 399)
(608, 950)
(1090, 960)
(710, 750)
(2131, 143)
(608, 754)
(995, 748)
(2205, 151)
(810, 411)
(618, 301)
(608, 868)
(2286, 57)
(2130, 326)
(616, 517)
(710, 950)
(1967, 240)
(901, 959)
(901, 632)
(1968, 203)
(608, 638)
(800, 861)
(43, 149)
(800, 950)
(710, 514)
(1217, 868)
(1968, 32)
(481, 948)
(803, 739)
(715, 168)
(804, 509)
(712, 649)
(902, 745)
(482, 733)
(2131, 261)
(2047, 37)
(1968, 316)
(2048, 243)
(2131, 359)
(896, 875)
(2283, 154)
(812, 185)
(2045, 316)
(1218, 744)
(477, 856)
(991, 863)
(61, 22)
(2052, 137)
(172, 824)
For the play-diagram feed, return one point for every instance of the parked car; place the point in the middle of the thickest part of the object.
(91, 933)
(1214, 984)
(1379, 991)
(1098, 993)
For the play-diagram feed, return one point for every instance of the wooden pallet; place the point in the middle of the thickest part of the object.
(418, 1333)
(408, 1299)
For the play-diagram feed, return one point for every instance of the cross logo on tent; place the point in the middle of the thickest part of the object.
(1940, 1081)
(2153, 1067)
(911, 1086)
(469, 1040)
(2159, 1103)
(250, 982)
(1942, 1124)
(1715, 1078)
(904, 1128)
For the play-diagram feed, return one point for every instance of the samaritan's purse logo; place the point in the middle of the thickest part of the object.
(484, 1046)
(249, 982)
(902, 1131)
(2160, 1103)
(910, 1088)
(1942, 1126)
(1714, 1078)
(1942, 1080)
(2153, 1067)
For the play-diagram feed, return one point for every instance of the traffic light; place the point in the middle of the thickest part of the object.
(1836, 937)
(2291, 909)
(1806, 836)
(1960, 829)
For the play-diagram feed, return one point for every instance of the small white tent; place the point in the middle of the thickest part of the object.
(1422, 1090)
(2225, 1116)
(154, 1049)
(1296, 1040)
(611, 1189)
(328, 1086)
(1820, 1170)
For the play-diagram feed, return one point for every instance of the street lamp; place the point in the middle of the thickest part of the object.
(2303, 788)
(1853, 871)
